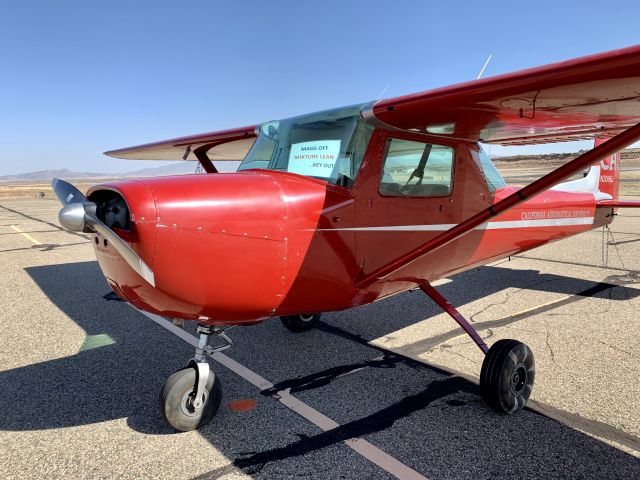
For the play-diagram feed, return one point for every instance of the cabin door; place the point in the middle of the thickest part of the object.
(405, 196)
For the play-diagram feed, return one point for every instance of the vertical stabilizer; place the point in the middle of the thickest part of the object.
(609, 172)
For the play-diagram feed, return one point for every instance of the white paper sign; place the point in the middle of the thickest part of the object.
(315, 159)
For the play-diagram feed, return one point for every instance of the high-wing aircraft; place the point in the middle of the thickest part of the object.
(347, 206)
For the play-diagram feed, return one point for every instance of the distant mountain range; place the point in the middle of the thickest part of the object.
(172, 168)
(181, 168)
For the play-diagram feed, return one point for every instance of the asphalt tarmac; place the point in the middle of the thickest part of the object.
(383, 391)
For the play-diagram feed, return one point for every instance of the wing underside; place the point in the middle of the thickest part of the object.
(223, 145)
(595, 96)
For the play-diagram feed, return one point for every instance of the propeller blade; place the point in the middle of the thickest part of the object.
(66, 192)
(120, 245)
(79, 214)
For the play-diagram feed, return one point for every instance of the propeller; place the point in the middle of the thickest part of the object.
(79, 214)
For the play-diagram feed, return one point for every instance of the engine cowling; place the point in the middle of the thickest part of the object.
(224, 248)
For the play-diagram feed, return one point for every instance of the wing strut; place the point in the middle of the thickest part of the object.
(611, 146)
(203, 158)
(455, 314)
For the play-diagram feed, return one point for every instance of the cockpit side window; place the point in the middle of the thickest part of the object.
(417, 169)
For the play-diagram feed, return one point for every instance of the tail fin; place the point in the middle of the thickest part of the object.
(609, 172)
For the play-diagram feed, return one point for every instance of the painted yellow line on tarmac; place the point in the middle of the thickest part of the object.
(35, 242)
(546, 304)
(478, 326)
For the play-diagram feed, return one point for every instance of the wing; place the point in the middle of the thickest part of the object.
(598, 95)
(223, 145)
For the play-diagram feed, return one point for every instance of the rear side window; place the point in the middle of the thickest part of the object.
(416, 169)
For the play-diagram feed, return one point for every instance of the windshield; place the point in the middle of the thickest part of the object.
(327, 145)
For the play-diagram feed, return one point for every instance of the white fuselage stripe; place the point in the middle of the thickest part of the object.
(508, 224)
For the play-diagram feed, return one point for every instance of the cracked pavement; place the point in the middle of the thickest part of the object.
(579, 318)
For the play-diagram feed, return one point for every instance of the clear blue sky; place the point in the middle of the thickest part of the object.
(80, 77)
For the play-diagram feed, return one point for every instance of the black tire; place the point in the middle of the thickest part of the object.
(175, 398)
(301, 322)
(507, 376)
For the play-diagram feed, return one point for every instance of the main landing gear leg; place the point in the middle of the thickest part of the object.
(192, 396)
(508, 369)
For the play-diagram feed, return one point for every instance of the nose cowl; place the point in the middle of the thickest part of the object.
(221, 244)
(224, 248)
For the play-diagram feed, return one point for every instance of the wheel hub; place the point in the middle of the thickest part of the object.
(186, 404)
(518, 379)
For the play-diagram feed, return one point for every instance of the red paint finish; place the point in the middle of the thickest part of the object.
(516, 197)
(231, 249)
(225, 247)
(237, 248)
(379, 248)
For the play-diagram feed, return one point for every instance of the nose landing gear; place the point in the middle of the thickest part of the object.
(191, 396)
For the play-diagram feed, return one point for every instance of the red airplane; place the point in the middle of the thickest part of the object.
(344, 207)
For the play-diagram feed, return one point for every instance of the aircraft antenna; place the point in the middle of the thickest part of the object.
(484, 66)
(384, 90)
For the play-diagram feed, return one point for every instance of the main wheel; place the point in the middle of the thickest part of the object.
(301, 322)
(507, 376)
(176, 400)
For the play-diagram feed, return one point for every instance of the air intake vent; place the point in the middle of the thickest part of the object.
(112, 209)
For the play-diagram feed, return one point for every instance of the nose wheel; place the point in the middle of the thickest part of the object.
(178, 401)
(192, 396)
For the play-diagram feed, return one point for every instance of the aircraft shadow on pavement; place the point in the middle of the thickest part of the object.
(380, 318)
(428, 419)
